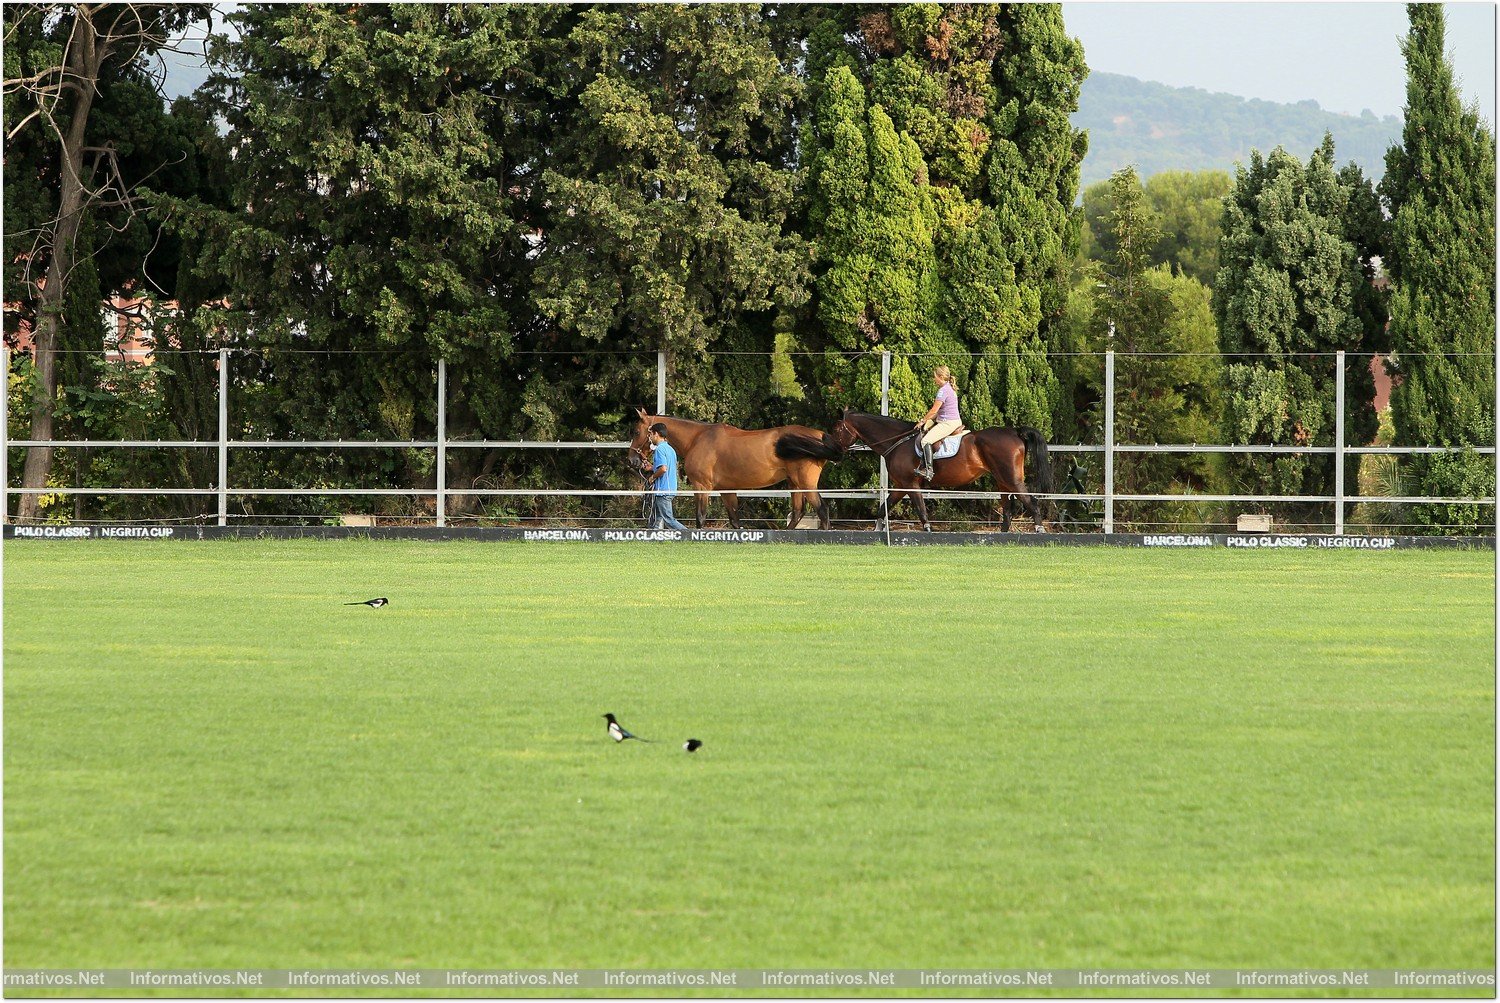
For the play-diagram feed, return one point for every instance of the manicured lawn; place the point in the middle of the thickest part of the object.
(988, 757)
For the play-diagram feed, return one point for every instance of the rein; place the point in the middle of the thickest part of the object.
(894, 440)
(641, 470)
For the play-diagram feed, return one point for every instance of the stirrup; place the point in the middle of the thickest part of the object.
(926, 469)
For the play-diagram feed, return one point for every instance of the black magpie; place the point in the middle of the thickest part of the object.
(692, 745)
(618, 733)
(382, 601)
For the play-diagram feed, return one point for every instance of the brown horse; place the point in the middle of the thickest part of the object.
(1001, 452)
(725, 458)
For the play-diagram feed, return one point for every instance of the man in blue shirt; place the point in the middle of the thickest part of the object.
(663, 479)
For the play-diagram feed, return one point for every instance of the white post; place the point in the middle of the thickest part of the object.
(1109, 442)
(5, 440)
(442, 443)
(1338, 446)
(223, 436)
(661, 382)
(885, 409)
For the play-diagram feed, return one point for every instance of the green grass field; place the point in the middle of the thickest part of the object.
(982, 757)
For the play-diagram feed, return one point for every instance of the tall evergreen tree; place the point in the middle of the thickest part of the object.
(1439, 188)
(1033, 182)
(1294, 287)
(872, 209)
(385, 157)
(983, 92)
(668, 191)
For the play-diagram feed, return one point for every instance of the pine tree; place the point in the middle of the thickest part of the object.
(1166, 371)
(1189, 205)
(1439, 188)
(383, 176)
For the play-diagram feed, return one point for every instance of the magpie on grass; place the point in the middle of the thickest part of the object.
(692, 745)
(377, 603)
(618, 733)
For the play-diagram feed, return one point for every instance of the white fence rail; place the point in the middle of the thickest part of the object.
(223, 489)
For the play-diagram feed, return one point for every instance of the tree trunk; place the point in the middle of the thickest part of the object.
(85, 56)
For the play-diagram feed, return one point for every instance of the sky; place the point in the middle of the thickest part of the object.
(1345, 56)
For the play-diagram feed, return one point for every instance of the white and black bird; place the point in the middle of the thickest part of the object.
(377, 603)
(618, 733)
(692, 745)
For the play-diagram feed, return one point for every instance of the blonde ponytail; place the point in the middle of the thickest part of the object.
(943, 373)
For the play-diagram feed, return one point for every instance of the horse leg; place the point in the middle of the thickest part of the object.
(1029, 504)
(813, 502)
(1005, 469)
(1034, 509)
(796, 514)
(921, 505)
(732, 509)
(896, 498)
(702, 501)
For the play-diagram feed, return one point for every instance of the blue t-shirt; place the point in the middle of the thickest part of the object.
(665, 456)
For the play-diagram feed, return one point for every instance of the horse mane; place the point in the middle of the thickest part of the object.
(885, 418)
(689, 421)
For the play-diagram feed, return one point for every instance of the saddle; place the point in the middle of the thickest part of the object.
(944, 447)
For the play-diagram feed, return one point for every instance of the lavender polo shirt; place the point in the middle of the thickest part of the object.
(949, 401)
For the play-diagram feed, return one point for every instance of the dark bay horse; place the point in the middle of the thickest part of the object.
(1000, 452)
(725, 458)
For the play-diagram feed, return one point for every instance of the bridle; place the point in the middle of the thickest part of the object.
(894, 440)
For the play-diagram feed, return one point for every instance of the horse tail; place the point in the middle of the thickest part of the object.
(796, 446)
(1036, 451)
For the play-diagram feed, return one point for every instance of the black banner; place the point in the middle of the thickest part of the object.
(904, 538)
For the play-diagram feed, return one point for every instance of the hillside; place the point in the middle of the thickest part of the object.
(1159, 128)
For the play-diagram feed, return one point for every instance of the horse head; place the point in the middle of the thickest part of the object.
(638, 440)
(638, 456)
(844, 433)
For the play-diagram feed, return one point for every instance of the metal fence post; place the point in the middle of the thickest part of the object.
(5, 440)
(442, 443)
(885, 409)
(661, 382)
(1109, 442)
(1338, 446)
(223, 436)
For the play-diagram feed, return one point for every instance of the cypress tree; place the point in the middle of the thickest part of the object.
(983, 93)
(874, 216)
(1439, 188)
(1035, 155)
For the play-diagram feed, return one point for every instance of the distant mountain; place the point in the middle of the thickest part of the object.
(1162, 128)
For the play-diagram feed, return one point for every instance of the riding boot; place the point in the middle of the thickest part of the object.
(925, 471)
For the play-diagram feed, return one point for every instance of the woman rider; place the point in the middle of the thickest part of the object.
(941, 420)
